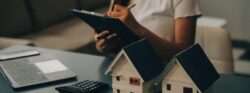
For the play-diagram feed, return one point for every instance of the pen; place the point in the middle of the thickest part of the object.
(131, 6)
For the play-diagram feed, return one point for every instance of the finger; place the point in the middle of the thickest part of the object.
(105, 41)
(111, 40)
(115, 8)
(101, 43)
(101, 35)
(109, 13)
(111, 36)
(106, 47)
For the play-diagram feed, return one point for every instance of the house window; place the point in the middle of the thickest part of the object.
(118, 91)
(118, 78)
(134, 81)
(168, 87)
(187, 90)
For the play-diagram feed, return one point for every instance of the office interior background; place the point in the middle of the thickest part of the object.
(237, 16)
(236, 12)
(234, 15)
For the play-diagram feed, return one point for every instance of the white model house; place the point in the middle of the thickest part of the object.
(189, 72)
(135, 69)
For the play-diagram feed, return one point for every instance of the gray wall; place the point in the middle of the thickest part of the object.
(248, 10)
(236, 12)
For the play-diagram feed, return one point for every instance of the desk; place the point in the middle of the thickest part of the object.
(93, 67)
(85, 66)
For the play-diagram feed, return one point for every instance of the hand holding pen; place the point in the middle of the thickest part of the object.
(122, 13)
(112, 14)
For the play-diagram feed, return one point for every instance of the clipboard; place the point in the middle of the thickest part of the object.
(101, 23)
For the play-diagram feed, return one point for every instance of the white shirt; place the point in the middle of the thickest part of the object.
(158, 15)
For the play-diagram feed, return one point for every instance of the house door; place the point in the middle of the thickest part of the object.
(188, 88)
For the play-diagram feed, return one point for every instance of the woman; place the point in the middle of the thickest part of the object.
(169, 25)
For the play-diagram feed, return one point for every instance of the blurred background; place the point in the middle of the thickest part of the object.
(49, 24)
(236, 14)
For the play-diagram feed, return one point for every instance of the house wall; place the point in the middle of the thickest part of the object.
(119, 64)
(178, 79)
(125, 69)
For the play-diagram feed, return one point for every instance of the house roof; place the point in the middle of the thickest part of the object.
(198, 67)
(144, 59)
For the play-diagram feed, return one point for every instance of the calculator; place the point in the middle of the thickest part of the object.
(85, 86)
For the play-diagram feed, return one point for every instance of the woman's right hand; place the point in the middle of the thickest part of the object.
(105, 43)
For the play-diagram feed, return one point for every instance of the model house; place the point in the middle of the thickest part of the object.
(189, 72)
(135, 69)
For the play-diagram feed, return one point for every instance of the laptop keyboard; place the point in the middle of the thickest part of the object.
(23, 71)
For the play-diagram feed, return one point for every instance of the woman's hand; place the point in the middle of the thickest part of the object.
(124, 14)
(105, 43)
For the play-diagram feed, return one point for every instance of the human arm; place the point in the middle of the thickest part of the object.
(184, 29)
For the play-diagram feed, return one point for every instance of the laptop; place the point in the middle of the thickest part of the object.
(34, 70)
